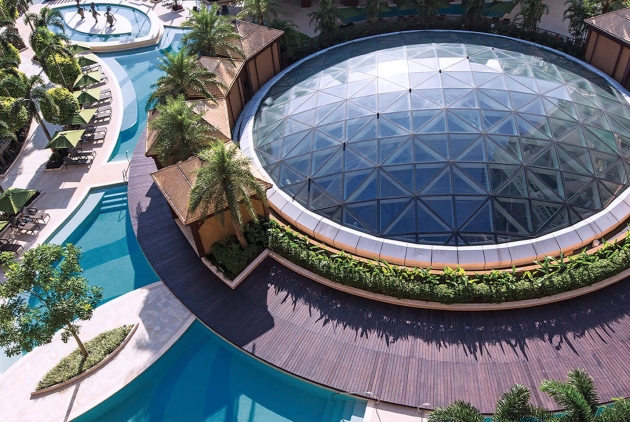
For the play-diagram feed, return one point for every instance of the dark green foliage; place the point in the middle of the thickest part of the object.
(211, 34)
(619, 411)
(459, 411)
(14, 120)
(66, 104)
(9, 52)
(452, 285)
(69, 67)
(75, 363)
(325, 17)
(228, 256)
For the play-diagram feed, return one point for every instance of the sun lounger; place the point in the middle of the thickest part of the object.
(18, 225)
(7, 246)
(78, 152)
(91, 68)
(103, 79)
(76, 161)
(32, 213)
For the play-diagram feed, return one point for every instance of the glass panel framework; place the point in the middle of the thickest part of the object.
(450, 139)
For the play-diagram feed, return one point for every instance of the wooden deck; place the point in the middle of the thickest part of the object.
(405, 356)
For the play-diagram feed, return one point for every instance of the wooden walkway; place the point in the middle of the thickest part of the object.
(405, 356)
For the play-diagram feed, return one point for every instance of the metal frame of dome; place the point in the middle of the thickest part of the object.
(566, 111)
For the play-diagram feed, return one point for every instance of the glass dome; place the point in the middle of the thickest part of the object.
(445, 138)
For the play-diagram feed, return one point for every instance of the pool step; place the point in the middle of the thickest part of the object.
(339, 410)
(114, 202)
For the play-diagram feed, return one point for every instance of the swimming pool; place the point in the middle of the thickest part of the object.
(140, 23)
(204, 378)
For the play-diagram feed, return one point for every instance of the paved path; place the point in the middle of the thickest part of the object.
(405, 356)
(162, 320)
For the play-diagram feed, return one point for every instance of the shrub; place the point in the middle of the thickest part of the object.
(75, 363)
(69, 68)
(10, 52)
(65, 101)
(15, 92)
(452, 285)
(15, 121)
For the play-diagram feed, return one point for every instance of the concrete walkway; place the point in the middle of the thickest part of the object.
(162, 320)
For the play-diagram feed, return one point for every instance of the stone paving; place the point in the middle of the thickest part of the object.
(162, 320)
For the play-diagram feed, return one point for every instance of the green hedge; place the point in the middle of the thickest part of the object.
(452, 285)
(15, 121)
(66, 103)
(10, 52)
(69, 68)
(75, 363)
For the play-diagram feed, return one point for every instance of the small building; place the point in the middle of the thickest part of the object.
(203, 231)
(607, 44)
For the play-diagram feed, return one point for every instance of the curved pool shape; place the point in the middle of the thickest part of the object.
(140, 23)
(204, 378)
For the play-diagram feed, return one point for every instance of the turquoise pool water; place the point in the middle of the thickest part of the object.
(112, 257)
(140, 23)
(203, 378)
(136, 71)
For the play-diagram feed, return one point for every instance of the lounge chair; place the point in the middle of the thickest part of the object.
(78, 152)
(103, 79)
(76, 161)
(91, 68)
(18, 224)
(7, 246)
(32, 213)
(93, 137)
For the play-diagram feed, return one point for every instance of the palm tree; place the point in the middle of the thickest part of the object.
(577, 11)
(17, 6)
(474, 8)
(531, 13)
(259, 10)
(34, 95)
(459, 411)
(8, 35)
(47, 18)
(577, 396)
(225, 181)
(183, 75)
(291, 38)
(212, 34)
(51, 45)
(619, 411)
(5, 135)
(515, 406)
(371, 10)
(8, 67)
(180, 131)
(325, 17)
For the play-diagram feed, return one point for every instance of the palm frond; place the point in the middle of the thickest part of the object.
(459, 411)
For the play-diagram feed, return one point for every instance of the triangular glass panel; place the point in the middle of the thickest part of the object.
(450, 81)
(297, 144)
(481, 221)
(583, 212)
(390, 208)
(560, 127)
(334, 165)
(496, 154)
(386, 99)
(493, 99)
(301, 163)
(350, 220)
(454, 94)
(405, 222)
(354, 161)
(615, 173)
(575, 137)
(601, 161)
(559, 93)
(354, 110)
(512, 216)
(388, 128)
(520, 99)
(367, 213)
(354, 125)
(561, 220)
(481, 78)
(546, 159)
(574, 159)
(499, 173)
(585, 112)
(510, 144)
(441, 184)
(543, 212)
(560, 109)
(533, 126)
(318, 199)
(477, 172)
(470, 117)
(318, 158)
(614, 188)
(490, 118)
(467, 101)
(402, 119)
(351, 180)
(328, 212)
(545, 184)
(369, 102)
(459, 142)
(389, 145)
(516, 187)
(587, 197)
(367, 149)
(601, 140)
(323, 99)
(403, 174)
(368, 131)
(620, 111)
(272, 149)
(438, 142)
(421, 118)
(330, 113)
(441, 206)
(532, 147)
(423, 77)
(534, 107)
(334, 130)
(476, 152)
(516, 86)
(463, 185)
(390, 188)
(332, 185)
(599, 122)
(340, 90)
(465, 206)
(294, 190)
(419, 102)
(322, 140)
(428, 222)
(368, 190)
(424, 153)
(506, 127)
(437, 125)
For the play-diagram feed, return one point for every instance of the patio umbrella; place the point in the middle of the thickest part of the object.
(406, 5)
(80, 118)
(87, 59)
(502, 6)
(15, 198)
(383, 7)
(87, 79)
(349, 12)
(78, 47)
(88, 95)
(66, 139)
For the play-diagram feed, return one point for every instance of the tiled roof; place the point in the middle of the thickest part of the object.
(254, 38)
(226, 71)
(176, 182)
(214, 114)
(616, 24)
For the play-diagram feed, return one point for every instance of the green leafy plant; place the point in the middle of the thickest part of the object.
(212, 34)
(66, 105)
(14, 119)
(325, 17)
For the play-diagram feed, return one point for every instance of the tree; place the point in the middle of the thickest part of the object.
(459, 411)
(225, 182)
(9, 37)
(180, 131)
(577, 396)
(371, 10)
(8, 67)
(325, 17)
(14, 120)
(515, 406)
(577, 11)
(531, 13)
(66, 106)
(211, 34)
(619, 411)
(259, 10)
(183, 75)
(34, 96)
(50, 46)
(52, 276)
(291, 38)
(474, 8)
(45, 18)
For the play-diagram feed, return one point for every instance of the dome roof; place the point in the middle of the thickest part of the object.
(445, 138)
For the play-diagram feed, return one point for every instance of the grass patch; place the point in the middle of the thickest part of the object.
(75, 363)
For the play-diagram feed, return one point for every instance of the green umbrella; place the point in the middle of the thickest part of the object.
(78, 47)
(349, 12)
(502, 6)
(88, 95)
(80, 118)
(66, 139)
(15, 198)
(406, 5)
(87, 59)
(87, 79)
(383, 7)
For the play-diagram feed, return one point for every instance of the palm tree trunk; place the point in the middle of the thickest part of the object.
(63, 79)
(84, 351)
(238, 230)
(40, 120)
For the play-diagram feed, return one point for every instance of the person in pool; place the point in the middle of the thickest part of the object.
(81, 12)
(95, 14)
